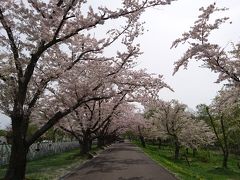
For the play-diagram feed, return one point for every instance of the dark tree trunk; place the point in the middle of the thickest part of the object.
(17, 164)
(90, 144)
(225, 159)
(100, 141)
(141, 137)
(186, 157)
(18, 158)
(153, 141)
(107, 140)
(223, 143)
(142, 141)
(159, 143)
(177, 150)
(84, 146)
(194, 150)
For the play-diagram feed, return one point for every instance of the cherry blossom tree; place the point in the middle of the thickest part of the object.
(44, 40)
(122, 121)
(224, 116)
(139, 127)
(91, 121)
(173, 120)
(151, 128)
(111, 114)
(218, 59)
(93, 117)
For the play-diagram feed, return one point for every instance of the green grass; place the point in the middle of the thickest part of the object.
(206, 164)
(52, 167)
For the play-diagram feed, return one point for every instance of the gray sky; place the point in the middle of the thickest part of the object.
(165, 24)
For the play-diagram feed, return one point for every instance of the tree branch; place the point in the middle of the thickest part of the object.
(14, 48)
(57, 116)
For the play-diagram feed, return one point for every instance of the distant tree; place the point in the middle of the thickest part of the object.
(201, 112)
(86, 124)
(224, 119)
(173, 120)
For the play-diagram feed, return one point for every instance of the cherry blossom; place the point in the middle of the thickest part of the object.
(218, 59)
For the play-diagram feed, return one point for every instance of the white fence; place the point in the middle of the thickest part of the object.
(38, 150)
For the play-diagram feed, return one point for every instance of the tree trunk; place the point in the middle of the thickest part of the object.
(17, 164)
(159, 143)
(142, 141)
(86, 144)
(225, 159)
(152, 141)
(177, 150)
(100, 141)
(84, 148)
(18, 158)
(141, 137)
(186, 157)
(194, 151)
(90, 144)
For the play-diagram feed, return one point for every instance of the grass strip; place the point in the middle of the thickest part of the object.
(53, 166)
(206, 164)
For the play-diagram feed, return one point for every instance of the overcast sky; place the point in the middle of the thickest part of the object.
(164, 25)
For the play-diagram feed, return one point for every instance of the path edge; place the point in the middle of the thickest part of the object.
(159, 164)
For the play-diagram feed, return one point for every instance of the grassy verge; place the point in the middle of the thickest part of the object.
(52, 167)
(206, 164)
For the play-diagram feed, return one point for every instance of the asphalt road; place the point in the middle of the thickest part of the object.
(122, 161)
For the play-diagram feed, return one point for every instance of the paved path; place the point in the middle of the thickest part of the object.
(122, 161)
